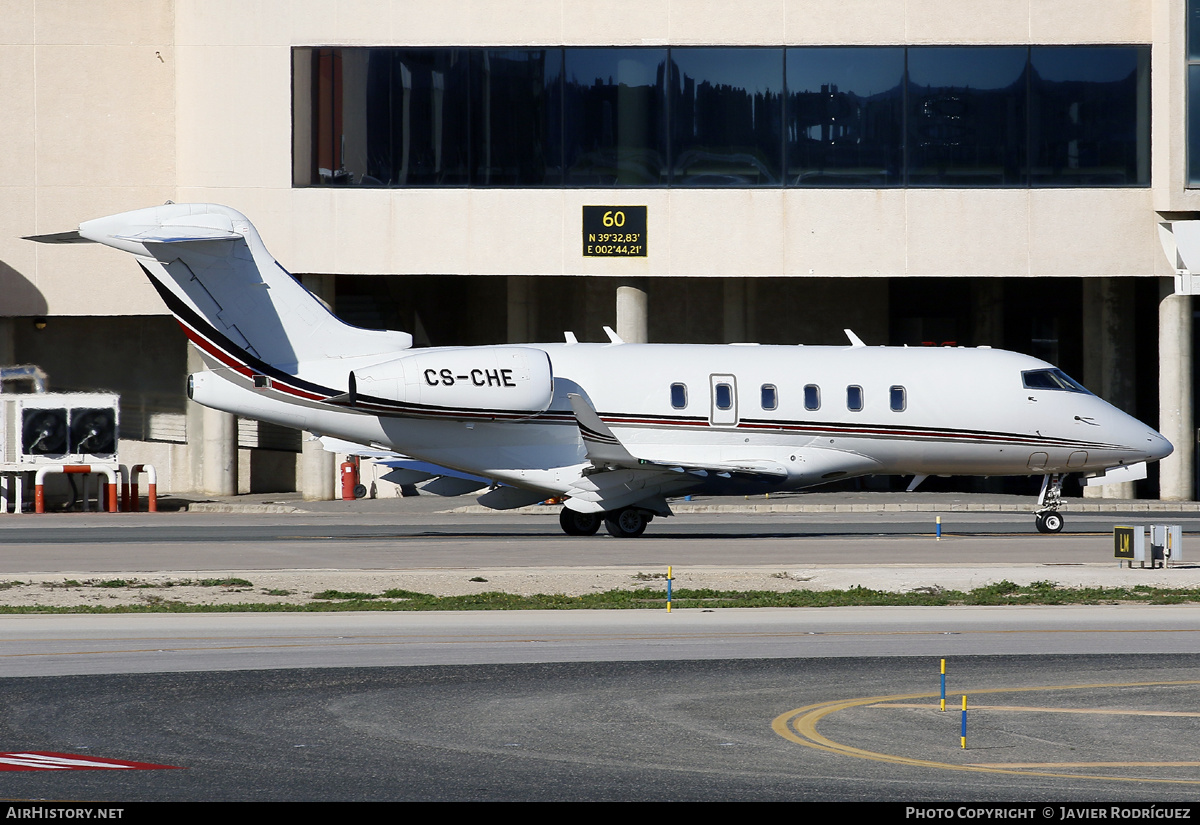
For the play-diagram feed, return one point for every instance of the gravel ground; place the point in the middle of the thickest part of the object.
(299, 587)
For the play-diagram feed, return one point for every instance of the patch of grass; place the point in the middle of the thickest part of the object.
(277, 592)
(477, 579)
(10, 585)
(405, 594)
(343, 595)
(233, 582)
(1001, 593)
(152, 600)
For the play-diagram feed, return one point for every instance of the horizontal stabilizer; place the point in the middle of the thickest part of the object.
(180, 234)
(239, 306)
(59, 237)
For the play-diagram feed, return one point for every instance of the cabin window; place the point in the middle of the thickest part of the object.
(854, 398)
(724, 396)
(899, 399)
(812, 397)
(1051, 379)
(770, 397)
(679, 396)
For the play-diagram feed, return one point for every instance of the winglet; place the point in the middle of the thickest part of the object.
(855, 341)
(603, 448)
(612, 336)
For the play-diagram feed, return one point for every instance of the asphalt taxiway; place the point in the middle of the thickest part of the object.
(1088, 702)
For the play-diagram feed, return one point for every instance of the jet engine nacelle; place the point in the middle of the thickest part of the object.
(509, 380)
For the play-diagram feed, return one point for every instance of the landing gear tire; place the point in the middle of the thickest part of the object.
(625, 524)
(1049, 523)
(578, 524)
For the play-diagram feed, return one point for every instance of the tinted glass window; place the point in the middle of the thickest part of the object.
(1050, 379)
(726, 117)
(854, 398)
(416, 116)
(812, 397)
(724, 396)
(770, 397)
(1090, 115)
(731, 116)
(1193, 125)
(614, 129)
(1193, 93)
(898, 398)
(845, 110)
(1193, 29)
(966, 116)
(678, 396)
(516, 117)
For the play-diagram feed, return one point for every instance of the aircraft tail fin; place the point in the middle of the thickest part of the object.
(235, 301)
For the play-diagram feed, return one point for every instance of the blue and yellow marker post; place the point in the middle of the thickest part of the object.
(669, 580)
(963, 736)
(943, 685)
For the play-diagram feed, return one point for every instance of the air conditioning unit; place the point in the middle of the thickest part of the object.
(58, 428)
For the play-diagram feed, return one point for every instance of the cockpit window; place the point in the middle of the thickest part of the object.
(1051, 380)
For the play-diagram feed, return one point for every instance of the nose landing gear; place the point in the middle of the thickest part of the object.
(1047, 518)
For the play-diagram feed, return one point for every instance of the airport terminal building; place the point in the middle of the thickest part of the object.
(922, 172)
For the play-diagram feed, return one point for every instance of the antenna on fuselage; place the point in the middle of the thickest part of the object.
(855, 341)
(612, 336)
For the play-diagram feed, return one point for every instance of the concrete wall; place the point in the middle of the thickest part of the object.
(236, 67)
(88, 129)
(192, 100)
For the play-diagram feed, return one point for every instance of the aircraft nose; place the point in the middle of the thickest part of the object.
(1157, 446)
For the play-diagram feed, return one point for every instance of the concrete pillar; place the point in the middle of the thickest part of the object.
(1109, 345)
(522, 309)
(8, 342)
(195, 428)
(318, 466)
(219, 453)
(734, 310)
(631, 315)
(987, 312)
(1175, 414)
(212, 443)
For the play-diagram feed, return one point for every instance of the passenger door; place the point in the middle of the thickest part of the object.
(722, 401)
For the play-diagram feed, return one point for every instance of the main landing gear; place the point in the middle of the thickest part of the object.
(578, 524)
(626, 523)
(1047, 517)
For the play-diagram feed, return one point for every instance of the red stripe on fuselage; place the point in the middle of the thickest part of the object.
(233, 363)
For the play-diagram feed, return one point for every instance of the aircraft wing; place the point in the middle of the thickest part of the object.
(434, 478)
(620, 479)
(606, 452)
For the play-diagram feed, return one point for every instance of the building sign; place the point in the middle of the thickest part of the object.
(614, 232)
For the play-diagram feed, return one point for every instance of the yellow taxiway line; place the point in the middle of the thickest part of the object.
(800, 726)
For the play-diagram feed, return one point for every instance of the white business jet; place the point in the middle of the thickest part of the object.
(614, 429)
